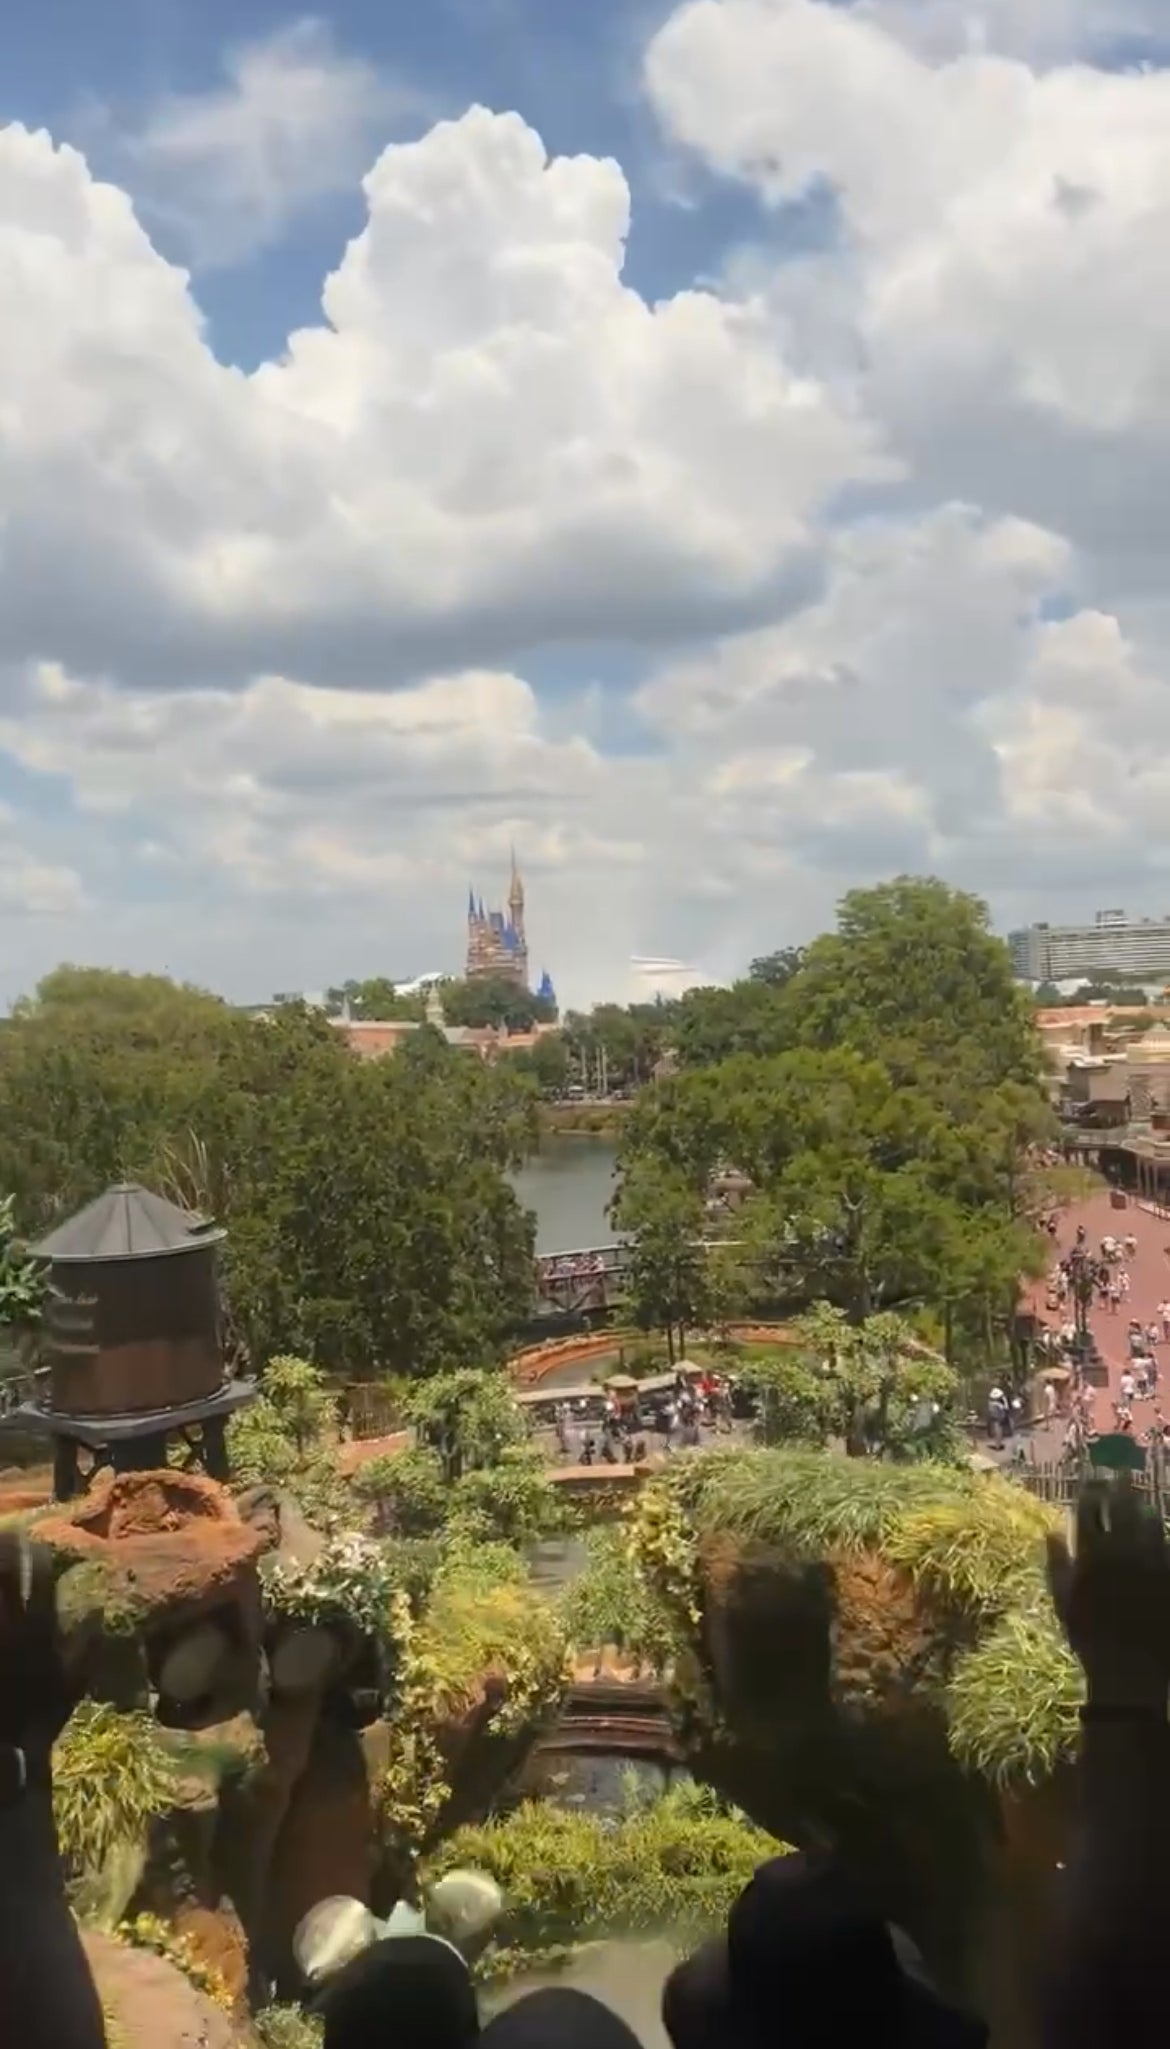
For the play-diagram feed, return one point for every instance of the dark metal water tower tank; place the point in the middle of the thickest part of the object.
(132, 1320)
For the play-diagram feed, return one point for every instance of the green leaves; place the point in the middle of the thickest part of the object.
(667, 1278)
(369, 1222)
(879, 1092)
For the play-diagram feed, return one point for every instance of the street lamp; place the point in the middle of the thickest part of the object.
(1082, 1280)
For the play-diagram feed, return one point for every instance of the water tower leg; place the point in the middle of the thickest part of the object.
(215, 1458)
(66, 1483)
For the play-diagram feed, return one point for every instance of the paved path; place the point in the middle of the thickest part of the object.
(1149, 1284)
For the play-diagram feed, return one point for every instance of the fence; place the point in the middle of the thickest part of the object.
(370, 1410)
(1060, 1483)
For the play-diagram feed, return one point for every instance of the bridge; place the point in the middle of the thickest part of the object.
(607, 1716)
(577, 1283)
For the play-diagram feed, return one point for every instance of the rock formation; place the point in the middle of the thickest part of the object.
(850, 1636)
(279, 1695)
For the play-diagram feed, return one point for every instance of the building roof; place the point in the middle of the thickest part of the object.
(127, 1222)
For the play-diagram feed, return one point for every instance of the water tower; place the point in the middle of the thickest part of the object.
(131, 1347)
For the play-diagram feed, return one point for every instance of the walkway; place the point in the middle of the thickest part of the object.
(1149, 1284)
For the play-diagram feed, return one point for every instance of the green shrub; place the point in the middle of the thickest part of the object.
(112, 1776)
(286, 2027)
(673, 1865)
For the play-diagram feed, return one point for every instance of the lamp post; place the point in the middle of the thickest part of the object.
(1081, 1283)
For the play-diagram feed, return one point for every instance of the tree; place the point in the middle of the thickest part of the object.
(881, 1103)
(661, 1218)
(777, 969)
(489, 1000)
(467, 1417)
(376, 997)
(914, 977)
(370, 1224)
(546, 1064)
(712, 1025)
(881, 1386)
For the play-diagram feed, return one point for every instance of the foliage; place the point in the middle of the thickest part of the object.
(112, 1777)
(1012, 1702)
(612, 1047)
(22, 1280)
(148, 1931)
(667, 1279)
(407, 1491)
(486, 1000)
(466, 1417)
(353, 1579)
(864, 1385)
(880, 1099)
(287, 2027)
(610, 1602)
(777, 969)
(287, 1437)
(673, 1866)
(370, 1224)
(376, 997)
(512, 1500)
(971, 1544)
(485, 1642)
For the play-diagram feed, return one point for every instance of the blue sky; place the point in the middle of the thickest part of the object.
(817, 532)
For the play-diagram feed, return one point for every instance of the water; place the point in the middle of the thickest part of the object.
(627, 1976)
(568, 1184)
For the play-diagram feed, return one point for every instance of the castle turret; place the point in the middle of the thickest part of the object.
(516, 899)
(497, 946)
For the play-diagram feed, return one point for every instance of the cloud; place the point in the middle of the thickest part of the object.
(998, 300)
(226, 172)
(1043, 31)
(490, 443)
(879, 535)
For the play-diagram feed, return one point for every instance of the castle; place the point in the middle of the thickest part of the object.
(497, 946)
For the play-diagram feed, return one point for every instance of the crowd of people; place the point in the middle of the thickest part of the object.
(1083, 1278)
(805, 1959)
(635, 1419)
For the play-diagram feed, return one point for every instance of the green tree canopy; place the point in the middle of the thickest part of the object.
(487, 1000)
(370, 1224)
(661, 1216)
(880, 1098)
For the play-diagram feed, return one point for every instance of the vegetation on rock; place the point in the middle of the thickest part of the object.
(113, 1776)
(968, 1547)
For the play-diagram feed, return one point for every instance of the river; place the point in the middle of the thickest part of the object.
(568, 1184)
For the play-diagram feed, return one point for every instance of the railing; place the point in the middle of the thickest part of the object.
(370, 1411)
(1060, 1484)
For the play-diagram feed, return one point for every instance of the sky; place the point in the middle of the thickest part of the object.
(720, 450)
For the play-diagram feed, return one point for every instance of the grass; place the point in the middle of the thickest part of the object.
(669, 1865)
(1012, 1701)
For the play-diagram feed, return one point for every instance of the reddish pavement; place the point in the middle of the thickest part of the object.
(1149, 1284)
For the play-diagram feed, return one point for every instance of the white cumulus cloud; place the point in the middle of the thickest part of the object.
(880, 533)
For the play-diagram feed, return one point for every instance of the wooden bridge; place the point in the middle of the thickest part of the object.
(608, 1716)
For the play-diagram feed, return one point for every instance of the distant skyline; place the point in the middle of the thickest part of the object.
(719, 448)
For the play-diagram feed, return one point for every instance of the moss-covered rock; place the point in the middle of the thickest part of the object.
(866, 1652)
